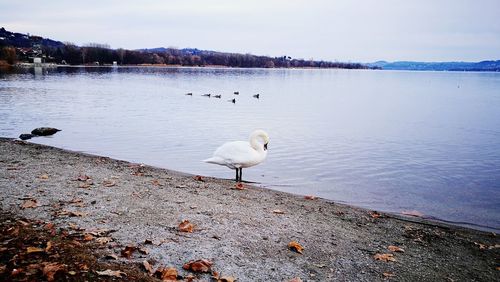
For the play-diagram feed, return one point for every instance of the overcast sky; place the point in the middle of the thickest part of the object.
(344, 30)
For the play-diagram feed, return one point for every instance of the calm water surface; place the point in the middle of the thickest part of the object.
(391, 141)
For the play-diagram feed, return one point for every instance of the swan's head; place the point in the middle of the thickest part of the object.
(259, 135)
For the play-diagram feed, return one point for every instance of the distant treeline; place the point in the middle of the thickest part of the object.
(17, 47)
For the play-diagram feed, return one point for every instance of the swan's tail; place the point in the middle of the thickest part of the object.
(212, 160)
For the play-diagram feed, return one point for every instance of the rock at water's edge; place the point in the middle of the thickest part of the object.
(44, 131)
(26, 136)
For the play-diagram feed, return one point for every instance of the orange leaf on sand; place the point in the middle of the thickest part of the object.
(30, 203)
(239, 186)
(413, 213)
(186, 226)
(278, 212)
(44, 176)
(296, 247)
(395, 249)
(226, 279)
(111, 273)
(88, 237)
(166, 274)
(375, 214)
(49, 270)
(127, 252)
(30, 250)
(201, 265)
(384, 257)
(310, 197)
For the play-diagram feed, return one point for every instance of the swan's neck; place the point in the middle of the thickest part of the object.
(254, 142)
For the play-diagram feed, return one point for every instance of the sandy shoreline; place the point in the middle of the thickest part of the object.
(244, 233)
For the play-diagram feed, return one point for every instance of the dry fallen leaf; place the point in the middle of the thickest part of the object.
(384, 257)
(112, 273)
(88, 237)
(239, 186)
(44, 176)
(413, 213)
(388, 274)
(143, 250)
(74, 226)
(310, 197)
(49, 246)
(375, 214)
(108, 183)
(30, 203)
(103, 240)
(156, 182)
(166, 274)
(147, 266)
(83, 267)
(296, 247)
(395, 249)
(127, 252)
(30, 250)
(278, 212)
(51, 269)
(226, 279)
(84, 185)
(201, 265)
(199, 178)
(83, 177)
(77, 213)
(481, 246)
(186, 226)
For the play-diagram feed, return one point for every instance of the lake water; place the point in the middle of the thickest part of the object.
(386, 140)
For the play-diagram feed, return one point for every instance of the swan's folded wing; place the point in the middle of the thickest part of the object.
(237, 152)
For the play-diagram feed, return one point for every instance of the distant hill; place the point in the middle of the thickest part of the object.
(438, 66)
(18, 47)
(20, 40)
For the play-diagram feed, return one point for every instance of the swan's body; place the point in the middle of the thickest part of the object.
(242, 154)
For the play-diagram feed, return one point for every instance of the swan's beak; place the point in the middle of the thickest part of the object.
(265, 147)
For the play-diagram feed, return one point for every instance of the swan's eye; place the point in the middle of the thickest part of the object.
(265, 146)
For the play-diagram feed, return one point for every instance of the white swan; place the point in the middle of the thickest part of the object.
(242, 154)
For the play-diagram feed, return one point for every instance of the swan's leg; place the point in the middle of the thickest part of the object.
(241, 173)
(237, 178)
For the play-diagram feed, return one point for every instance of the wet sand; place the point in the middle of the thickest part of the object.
(245, 233)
